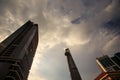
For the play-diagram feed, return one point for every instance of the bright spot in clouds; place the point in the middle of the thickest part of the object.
(86, 39)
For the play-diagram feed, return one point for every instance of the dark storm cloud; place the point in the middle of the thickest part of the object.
(115, 9)
(83, 17)
(114, 23)
(4, 5)
(76, 21)
(96, 3)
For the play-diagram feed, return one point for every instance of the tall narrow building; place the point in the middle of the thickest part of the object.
(72, 67)
(17, 52)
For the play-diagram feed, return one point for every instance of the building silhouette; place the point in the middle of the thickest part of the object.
(72, 67)
(116, 58)
(110, 67)
(106, 64)
(17, 52)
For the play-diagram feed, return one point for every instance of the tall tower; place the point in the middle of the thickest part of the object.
(72, 67)
(17, 52)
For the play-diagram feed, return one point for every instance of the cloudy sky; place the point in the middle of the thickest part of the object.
(90, 28)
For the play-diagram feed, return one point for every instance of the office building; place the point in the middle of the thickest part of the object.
(17, 52)
(106, 64)
(113, 75)
(116, 58)
(110, 67)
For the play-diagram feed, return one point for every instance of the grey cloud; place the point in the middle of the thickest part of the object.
(113, 45)
(4, 33)
(115, 9)
(76, 21)
(96, 3)
(86, 40)
(114, 21)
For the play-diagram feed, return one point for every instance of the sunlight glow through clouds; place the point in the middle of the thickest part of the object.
(57, 32)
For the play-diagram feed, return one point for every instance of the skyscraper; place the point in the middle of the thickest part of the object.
(72, 67)
(110, 67)
(107, 64)
(116, 58)
(17, 52)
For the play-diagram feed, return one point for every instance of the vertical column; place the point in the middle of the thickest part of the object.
(72, 67)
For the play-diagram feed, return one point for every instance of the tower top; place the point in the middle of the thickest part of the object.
(67, 51)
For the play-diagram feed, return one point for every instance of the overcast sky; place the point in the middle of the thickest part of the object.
(90, 28)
